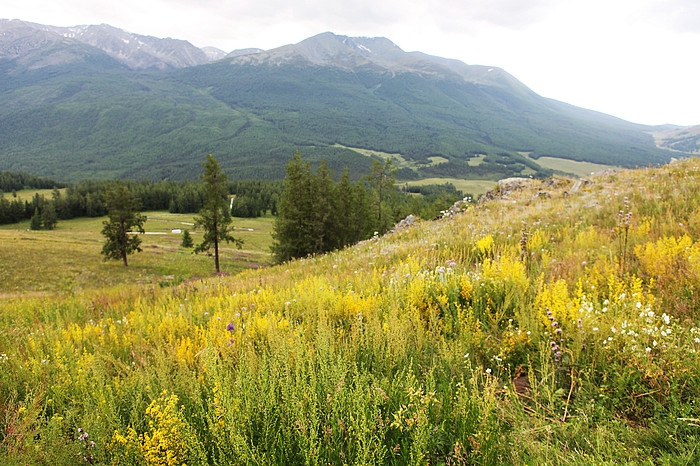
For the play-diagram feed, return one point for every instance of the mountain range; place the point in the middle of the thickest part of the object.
(99, 102)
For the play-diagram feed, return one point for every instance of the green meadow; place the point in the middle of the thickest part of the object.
(474, 187)
(572, 167)
(545, 326)
(68, 258)
(28, 194)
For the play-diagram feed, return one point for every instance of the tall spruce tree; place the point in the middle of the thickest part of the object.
(122, 207)
(49, 219)
(35, 223)
(382, 179)
(215, 216)
(325, 214)
(354, 211)
(293, 230)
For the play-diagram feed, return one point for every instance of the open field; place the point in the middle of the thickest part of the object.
(581, 169)
(475, 187)
(398, 160)
(28, 194)
(68, 258)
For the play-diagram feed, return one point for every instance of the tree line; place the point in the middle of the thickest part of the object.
(12, 181)
(317, 214)
(251, 198)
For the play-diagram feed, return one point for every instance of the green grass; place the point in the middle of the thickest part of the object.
(68, 258)
(475, 187)
(572, 167)
(476, 160)
(529, 329)
(398, 160)
(28, 194)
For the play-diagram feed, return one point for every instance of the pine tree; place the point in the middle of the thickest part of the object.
(382, 179)
(345, 207)
(186, 239)
(35, 223)
(122, 207)
(326, 221)
(215, 216)
(293, 230)
(49, 218)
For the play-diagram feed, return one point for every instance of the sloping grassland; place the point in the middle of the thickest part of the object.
(554, 324)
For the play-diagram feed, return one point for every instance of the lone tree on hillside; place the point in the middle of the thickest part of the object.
(215, 216)
(122, 207)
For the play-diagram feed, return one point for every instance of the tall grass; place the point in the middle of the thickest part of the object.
(507, 334)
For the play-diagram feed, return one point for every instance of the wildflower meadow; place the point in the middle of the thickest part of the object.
(550, 325)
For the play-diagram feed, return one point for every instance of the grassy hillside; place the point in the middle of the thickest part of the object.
(557, 323)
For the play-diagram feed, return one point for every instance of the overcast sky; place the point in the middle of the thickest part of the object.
(634, 59)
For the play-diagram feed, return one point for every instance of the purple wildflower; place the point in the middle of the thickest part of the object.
(230, 327)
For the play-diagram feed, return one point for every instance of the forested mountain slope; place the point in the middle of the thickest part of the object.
(71, 107)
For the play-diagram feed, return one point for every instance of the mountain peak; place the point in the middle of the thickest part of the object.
(377, 53)
(19, 38)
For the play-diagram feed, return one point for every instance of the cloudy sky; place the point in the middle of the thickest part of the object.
(635, 59)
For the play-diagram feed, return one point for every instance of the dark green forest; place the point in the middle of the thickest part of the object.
(93, 121)
(248, 198)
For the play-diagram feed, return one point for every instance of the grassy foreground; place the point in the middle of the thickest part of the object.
(557, 324)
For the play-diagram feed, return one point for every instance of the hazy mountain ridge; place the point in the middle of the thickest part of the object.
(133, 50)
(373, 53)
(96, 101)
(681, 139)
